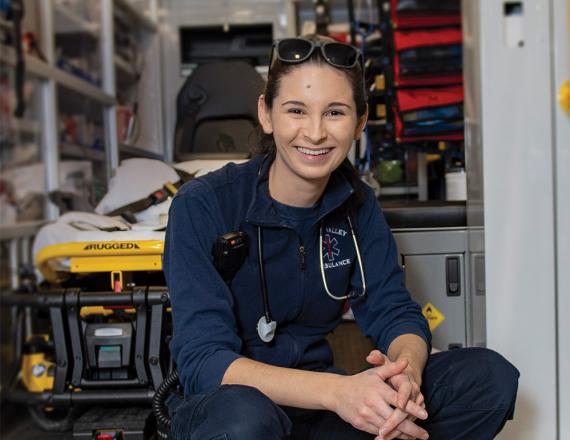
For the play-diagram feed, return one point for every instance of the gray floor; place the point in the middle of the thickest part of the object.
(28, 431)
(18, 425)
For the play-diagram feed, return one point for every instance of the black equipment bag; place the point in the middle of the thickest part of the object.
(216, 109)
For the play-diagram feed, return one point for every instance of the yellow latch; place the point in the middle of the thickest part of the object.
(169, 186)
(564, 97)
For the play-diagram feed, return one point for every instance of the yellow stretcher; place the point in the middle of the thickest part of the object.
(120, 259)
(114, 257)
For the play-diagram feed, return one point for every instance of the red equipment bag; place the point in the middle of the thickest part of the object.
(428, 57)
(425, 13)
(415, 100)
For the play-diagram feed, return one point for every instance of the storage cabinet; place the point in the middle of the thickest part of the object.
(442, 271)
(426, 279)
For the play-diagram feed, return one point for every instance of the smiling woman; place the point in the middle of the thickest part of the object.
(316, 108)
(301, 202)
(314, 122)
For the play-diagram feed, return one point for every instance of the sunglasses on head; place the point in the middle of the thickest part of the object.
(297, 50)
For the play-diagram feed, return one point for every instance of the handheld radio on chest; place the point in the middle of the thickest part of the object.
(230, 251)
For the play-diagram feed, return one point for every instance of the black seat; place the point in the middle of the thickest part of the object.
(217, 109)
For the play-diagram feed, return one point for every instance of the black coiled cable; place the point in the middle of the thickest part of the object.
(159, 408)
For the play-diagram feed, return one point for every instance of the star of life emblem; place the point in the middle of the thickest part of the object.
(330, 248)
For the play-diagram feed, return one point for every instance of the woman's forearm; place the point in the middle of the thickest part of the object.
(363, 399)
(413, 349)
(285, 386)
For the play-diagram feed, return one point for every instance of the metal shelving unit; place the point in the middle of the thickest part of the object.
(68, 22)
(26, 126)
(45, 71)
(81, 152)
(57, 28)
(124, 68)
(136, 74)
(82, 87)
(147, 23)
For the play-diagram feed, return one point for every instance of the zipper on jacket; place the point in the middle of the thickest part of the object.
(302, 254)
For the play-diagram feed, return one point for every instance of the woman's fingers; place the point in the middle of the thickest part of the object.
(410, 428)
(376, 358)
(416, 410)
(373, 403)
(368, 420)
(420, 400)
(415, 389)
(367, 427)
(376, 353)
(403, 427)
(407, 399)
(359, 399)
(398, 435)
(404, 394)
(390, 397)
(385, 372)
(397, 417)
(412, 408)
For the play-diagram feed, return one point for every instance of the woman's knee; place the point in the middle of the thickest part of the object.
(490, 373)
(238, 411)
(505, 377)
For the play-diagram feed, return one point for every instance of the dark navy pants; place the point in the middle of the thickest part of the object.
(470, 394)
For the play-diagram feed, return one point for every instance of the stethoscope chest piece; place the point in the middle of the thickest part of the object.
(266, 330)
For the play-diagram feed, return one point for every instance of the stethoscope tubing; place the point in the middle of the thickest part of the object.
(264, 290)
(267, 330)
(266, 310)
(358, 258)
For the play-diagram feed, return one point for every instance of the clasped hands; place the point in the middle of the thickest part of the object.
(384, 400)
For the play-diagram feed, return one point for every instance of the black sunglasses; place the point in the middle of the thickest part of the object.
(297, 50)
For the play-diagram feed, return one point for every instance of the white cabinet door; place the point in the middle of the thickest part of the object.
(514, 41)
(561, 51)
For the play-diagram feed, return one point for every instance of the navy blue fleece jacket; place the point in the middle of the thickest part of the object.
(215, 323)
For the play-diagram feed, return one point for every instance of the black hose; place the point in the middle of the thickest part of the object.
(18, 330)
(159, 408)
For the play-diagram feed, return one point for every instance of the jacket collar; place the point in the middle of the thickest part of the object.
(261, 210)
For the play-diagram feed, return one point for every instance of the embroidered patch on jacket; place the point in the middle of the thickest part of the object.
(332, 248)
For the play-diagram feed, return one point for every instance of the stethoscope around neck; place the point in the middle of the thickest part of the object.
(266, 326)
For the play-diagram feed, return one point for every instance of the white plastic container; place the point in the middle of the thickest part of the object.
(456, 185)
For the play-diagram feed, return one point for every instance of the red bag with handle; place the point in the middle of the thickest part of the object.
(428, 57)
(426, 101)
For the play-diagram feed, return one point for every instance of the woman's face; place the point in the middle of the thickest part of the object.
(313, 121)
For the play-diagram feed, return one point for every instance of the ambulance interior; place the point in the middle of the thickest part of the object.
(109, 106)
